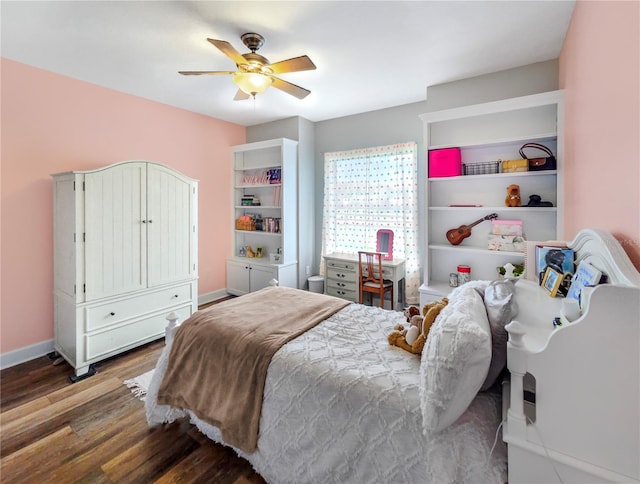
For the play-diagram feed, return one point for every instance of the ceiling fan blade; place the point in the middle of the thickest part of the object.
(289, 88)
(199, 73)
(241, 95)
(302, 63)
(228, 50)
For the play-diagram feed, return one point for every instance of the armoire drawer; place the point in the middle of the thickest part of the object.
(107, 314)
(102, 343)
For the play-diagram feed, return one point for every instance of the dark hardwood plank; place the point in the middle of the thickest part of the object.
(96, 431)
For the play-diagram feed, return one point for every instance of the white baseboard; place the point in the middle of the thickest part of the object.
(15, 357)
(211, 296)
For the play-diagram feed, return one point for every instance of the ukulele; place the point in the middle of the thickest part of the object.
(455, 236)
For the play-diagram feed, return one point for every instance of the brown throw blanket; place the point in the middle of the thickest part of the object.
(219, 358)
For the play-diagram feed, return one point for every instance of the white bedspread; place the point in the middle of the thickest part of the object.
(342, 406)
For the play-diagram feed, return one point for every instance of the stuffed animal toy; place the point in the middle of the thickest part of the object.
(513, 196)
(410, 312)
(414, 338)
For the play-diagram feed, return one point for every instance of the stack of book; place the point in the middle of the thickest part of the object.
(249, 201)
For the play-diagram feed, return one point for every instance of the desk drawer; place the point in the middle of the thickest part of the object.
(341, 284)
(387, 272)
(350, 294)
(107, 314)
(341, 275)
(342, 265)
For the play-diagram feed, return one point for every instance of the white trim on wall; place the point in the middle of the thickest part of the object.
(21, 355)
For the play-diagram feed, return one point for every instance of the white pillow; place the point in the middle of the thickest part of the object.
(501, 306)
(455, 360)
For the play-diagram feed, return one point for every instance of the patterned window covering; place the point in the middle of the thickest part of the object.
(370, 189)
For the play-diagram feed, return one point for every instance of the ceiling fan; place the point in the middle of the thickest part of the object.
(255, 73)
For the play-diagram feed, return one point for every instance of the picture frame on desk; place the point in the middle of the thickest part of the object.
(551, 281)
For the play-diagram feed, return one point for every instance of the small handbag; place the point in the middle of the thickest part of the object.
(543, 163)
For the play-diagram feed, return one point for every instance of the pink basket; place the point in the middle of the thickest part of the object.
(445, 162)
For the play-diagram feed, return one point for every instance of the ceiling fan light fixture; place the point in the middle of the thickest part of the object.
(252, 82)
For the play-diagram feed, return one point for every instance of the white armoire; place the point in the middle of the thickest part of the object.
(125, 255)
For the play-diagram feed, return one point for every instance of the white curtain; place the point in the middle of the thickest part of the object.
(370, 189)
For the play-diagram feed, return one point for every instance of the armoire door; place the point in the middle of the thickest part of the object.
(115, 230)
(171, 226)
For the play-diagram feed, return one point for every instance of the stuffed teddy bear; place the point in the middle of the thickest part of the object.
(513, 196)
(414, 338)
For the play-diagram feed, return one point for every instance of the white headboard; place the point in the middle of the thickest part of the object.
(584, 423)
(603, 251)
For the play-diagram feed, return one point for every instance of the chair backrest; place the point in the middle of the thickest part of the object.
(370, 266)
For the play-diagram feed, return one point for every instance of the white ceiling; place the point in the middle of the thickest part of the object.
(369, 54)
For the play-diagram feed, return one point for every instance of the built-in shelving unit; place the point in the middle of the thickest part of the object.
(489, 132)
(265, 171)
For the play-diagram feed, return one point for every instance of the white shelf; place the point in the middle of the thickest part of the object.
(540, 138)
(258, 207)
(476, 250)
(495, 209)
(476, 178)
(259, 232)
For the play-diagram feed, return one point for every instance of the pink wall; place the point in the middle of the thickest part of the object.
(600, 72)
(52, 123)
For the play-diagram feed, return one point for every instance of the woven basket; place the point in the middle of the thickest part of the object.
(245, 225)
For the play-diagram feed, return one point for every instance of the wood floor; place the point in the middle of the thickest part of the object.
(95, 431)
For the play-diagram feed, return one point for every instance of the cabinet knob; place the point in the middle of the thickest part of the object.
(176, 296)
(150, 221)
(144, 221)
(112, 313)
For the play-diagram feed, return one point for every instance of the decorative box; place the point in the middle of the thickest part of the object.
(445, 162)
(506, 227)
(513, 166)
(507, 243)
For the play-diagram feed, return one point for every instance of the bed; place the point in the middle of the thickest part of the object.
(341, 405)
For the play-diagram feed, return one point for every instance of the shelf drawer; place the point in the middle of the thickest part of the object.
(105, 315)
(102, 343)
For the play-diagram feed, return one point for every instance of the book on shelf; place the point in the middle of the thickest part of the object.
(586, 275)
(275, 176)
(531, 270)
(277, 191)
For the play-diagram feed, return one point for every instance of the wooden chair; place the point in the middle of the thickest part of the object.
(370, 277)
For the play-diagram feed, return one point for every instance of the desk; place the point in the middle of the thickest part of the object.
(341, 277)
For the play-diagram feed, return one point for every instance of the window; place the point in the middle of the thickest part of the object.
(370, 189)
